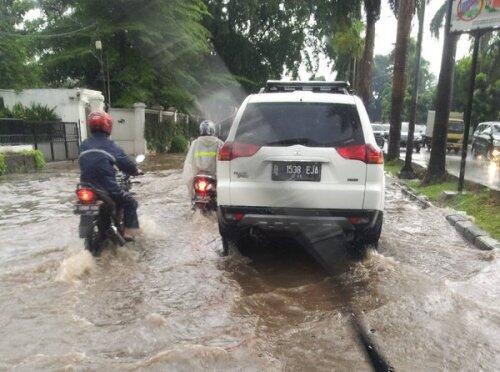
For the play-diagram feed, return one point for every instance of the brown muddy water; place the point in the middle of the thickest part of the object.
(170, 302)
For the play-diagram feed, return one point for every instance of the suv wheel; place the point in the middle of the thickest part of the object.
(372, 236)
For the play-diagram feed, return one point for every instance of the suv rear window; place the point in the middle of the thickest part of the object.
(300, 123)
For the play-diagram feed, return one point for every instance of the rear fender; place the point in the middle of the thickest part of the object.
(86, 225)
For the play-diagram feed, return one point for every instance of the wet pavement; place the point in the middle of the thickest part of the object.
(480, 171)
(169, 301)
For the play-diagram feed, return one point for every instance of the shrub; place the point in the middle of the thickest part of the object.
(2, 164)
(34, 112)
(179, 144)
(38, 157)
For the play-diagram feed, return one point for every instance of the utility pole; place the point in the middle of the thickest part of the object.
(407, 171)
(468, 110)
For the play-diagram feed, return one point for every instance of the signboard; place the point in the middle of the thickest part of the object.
(471, 15)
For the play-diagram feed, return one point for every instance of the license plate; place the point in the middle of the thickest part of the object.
(296, 171)
(87, 210)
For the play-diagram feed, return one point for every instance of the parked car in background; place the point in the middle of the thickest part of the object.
(378, 131)
(387, 128)
(417, 137)
(486, 141)
(299, 155)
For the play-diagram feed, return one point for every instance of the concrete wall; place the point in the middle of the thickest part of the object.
(124, 128)
(70, 105)
(128, 128)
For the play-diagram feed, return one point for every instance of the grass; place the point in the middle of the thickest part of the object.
(480, 202)
(393, 167)
(3, 168)
(37, 156)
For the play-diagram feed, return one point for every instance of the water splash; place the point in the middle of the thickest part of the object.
(75, 267)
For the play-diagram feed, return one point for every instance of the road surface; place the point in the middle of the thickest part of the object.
(170, 302)
(477, 170)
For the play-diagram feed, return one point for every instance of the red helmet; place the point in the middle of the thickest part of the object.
(100, 121)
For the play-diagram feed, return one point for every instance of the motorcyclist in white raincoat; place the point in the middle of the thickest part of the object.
(202, 155)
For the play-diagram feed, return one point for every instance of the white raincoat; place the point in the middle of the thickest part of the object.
(201, 158)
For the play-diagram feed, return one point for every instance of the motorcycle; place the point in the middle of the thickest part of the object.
(101, 220)
(205, 193)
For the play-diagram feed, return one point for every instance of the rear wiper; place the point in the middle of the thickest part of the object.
(294, 141)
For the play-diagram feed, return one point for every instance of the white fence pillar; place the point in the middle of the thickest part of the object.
(140, 124)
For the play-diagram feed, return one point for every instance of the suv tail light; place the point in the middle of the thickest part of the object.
(85, 195)
(233, 150)
(368, 154)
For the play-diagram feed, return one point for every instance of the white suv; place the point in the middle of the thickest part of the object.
(301, 154)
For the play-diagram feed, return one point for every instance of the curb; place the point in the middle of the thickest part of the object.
(408, 191)
(461, 221)
(479, 238)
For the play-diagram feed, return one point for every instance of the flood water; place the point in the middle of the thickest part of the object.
(169, 301)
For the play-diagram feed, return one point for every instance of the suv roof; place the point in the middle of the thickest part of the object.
(302, 96)
(277, 86)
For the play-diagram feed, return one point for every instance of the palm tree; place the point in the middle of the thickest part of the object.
(407, 171)
(364, 86)
(436, 170)
(405, 11)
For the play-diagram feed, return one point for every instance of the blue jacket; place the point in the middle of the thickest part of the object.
(98, 157)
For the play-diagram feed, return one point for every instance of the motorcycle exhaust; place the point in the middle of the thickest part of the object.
(116, 237)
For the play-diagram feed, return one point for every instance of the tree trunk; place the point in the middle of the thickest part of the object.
(405, 15)
(436, 171)
(407, 171)
(364, 86)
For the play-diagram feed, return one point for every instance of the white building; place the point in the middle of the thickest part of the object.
(71, 105)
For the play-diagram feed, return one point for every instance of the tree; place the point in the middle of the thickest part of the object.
(407, 170)
(153, 50)
(382, 87)
(261, 39)
(405, 15)
(17, 67)
(372, 11)
(436, 170)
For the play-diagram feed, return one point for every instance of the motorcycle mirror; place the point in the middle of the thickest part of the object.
(140, 158)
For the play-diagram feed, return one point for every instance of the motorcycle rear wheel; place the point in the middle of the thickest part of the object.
(94, 241)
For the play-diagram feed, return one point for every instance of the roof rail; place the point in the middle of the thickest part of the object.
(275, 86)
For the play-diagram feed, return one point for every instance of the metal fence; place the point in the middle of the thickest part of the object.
(56, 140)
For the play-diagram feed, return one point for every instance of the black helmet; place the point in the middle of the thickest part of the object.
(207, 128)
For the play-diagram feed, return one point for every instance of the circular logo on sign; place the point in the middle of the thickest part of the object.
(468, 10)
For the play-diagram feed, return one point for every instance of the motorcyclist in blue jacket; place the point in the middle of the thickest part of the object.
(98, 158)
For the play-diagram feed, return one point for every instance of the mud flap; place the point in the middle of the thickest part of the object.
(86, 226)
(328, 246)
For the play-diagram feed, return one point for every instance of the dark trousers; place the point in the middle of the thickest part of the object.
(129, 205)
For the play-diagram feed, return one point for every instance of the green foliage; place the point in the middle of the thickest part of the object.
(380, 107)
(18, 68)
(487, 93)
(262, 39)
(156, 136)
(481, 203)
(3, 168)
(37, 155)
(154, 49)
(34, 112)
(179, 144)
(346, 46)
(162, 135)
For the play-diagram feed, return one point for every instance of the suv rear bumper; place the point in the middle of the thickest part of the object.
(235, 219)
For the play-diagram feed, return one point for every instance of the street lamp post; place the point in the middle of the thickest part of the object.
(105, 75)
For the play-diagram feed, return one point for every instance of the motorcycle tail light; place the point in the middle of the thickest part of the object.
(85, 195)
